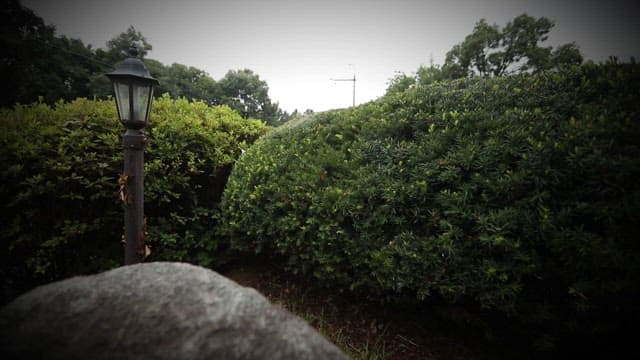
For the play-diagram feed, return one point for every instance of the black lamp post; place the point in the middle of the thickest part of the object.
(133, 87)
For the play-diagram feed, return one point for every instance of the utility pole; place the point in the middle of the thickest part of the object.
(354, 86)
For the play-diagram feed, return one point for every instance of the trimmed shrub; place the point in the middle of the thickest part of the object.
(518, 196)
(61, 215)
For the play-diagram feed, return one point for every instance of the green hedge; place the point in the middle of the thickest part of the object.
(61, 214)
(517, 195)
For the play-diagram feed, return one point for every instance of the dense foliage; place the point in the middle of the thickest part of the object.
(60, 211)
(515, 195)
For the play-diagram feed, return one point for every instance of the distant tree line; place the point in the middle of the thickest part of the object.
(37, 64)
(491, 52)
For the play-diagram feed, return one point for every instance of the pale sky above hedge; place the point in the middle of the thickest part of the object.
(297, 46)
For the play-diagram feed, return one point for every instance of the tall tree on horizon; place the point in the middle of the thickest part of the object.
(246, 93)
(516, 48)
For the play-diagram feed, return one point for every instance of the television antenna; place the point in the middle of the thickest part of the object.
(354, 85)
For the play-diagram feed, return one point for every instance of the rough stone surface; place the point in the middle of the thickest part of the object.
(154, 311)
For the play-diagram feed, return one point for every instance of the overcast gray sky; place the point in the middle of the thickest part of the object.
(297, 46)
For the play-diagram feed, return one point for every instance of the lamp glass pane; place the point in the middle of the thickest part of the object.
(122, 98)
(150, 101)
(141, 95)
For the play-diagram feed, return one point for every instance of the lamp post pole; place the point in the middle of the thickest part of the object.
(133, 180)
(133, 87)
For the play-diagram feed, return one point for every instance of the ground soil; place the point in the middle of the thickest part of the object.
(363, 329)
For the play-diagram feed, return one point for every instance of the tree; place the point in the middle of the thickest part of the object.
(178, 80)
(519, 42)
(567, 54)
(189, 82)
(429, 74)
(425, 75)
(34, 63)
(74, 64)
(473, 53)
(400, 83)
(489, 51)
(243, 91)
(118, 47)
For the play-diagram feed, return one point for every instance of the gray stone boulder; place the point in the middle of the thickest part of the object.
(154, 311)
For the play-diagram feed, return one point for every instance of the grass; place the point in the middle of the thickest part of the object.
(323, 316)
(373, 347)
(361, 329)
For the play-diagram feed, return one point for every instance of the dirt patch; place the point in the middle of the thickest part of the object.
(361, 328)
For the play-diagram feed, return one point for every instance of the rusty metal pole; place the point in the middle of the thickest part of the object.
(134, 141)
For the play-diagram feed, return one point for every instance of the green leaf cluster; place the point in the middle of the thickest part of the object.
(61, 214)
(514, 195)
